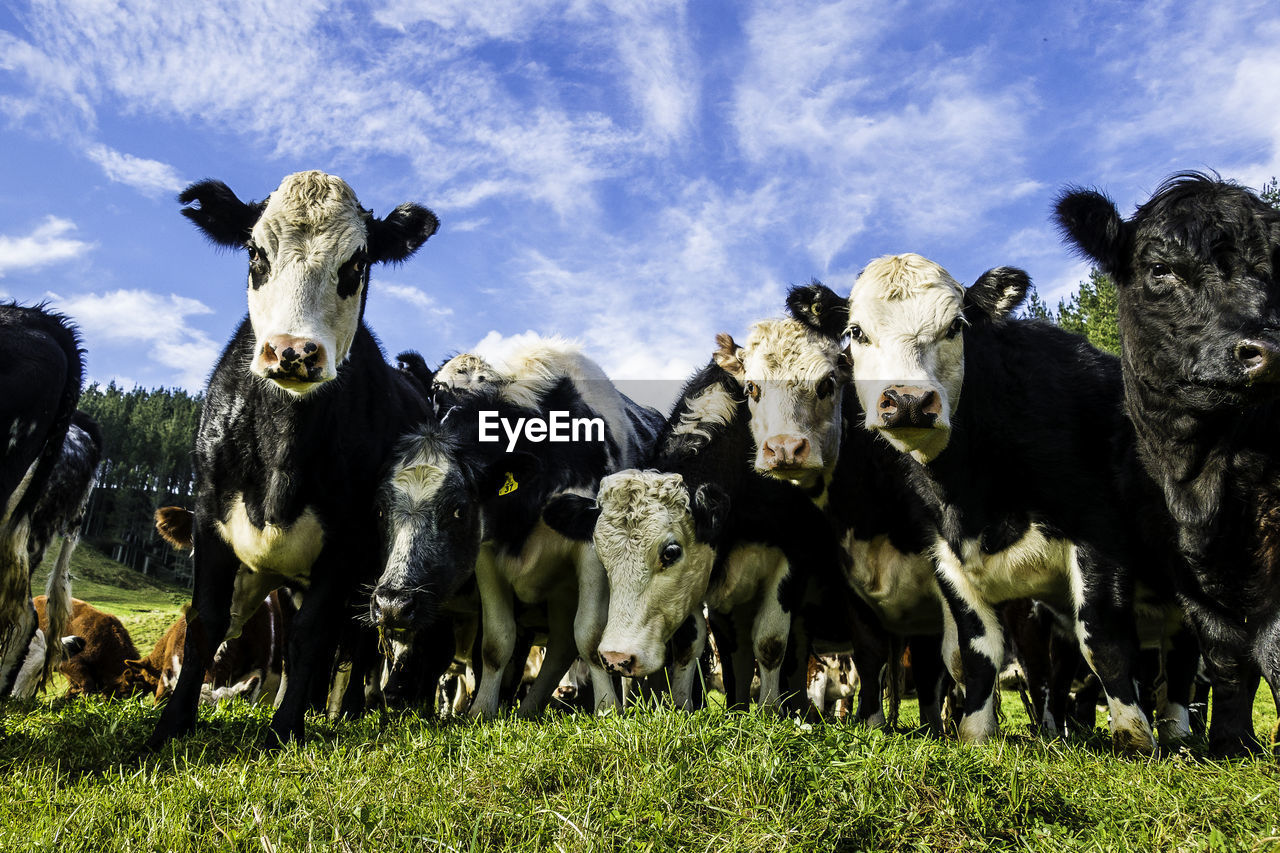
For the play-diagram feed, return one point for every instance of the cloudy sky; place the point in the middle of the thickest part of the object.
(636, 174)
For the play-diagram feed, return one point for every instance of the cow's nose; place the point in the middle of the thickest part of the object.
(619, 662)
(1260, 360)
(907, 406)
(292, 357)
(391, 609)
(785, 451)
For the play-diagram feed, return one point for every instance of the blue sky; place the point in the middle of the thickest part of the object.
(636, 175)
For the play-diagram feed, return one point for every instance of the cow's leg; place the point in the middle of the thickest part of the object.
(313, 640)
(1181, 661)
(560, 652)
(498, 634)
(589, 623)
(1267, 647)
(977, 650)
(769, 633)
(686, 655)
(215, 573)
(1031, 635)
(926, 664)
(740, 659)
(1107, 633)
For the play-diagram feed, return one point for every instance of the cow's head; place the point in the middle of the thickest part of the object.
(907, 324)
(793, 378)
(430, 504)
(657, 543)
(310, 247)
(1195, 273)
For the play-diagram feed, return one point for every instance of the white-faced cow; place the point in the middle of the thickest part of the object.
(299, 418)
(41, 368)
(702, 526)
(466, 495)
(1012, 427)
(799, 401)
(1199, 317)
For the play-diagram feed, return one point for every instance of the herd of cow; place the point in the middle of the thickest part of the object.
(912, 467)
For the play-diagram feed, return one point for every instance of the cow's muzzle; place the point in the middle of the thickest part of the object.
(908, 407)
(291, 360)
(394, 610)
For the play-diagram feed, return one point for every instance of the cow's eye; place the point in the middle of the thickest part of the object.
(816, 308)
(1160, 270)
(956, 327)
(826, 386)
(753, 391)
(258, 266)
(857, 335)
(670, 553)
(457, 514)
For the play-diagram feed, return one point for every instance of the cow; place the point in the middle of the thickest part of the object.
(1010, 432)
(98, 645)
(464, 497)
(795, 379)
(1198, 309)
(41, 370)
(701, 526)
(248, 666)
(300, 415)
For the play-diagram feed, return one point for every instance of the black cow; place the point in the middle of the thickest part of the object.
(41, 369)
(702, 526)
(299, 418)
(467, 494)
(1199, 315)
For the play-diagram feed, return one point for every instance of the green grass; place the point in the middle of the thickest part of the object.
(72, 777)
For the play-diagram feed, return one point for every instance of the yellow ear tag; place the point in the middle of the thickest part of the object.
(509, 486)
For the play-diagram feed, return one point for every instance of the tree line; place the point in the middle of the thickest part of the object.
(148, 436)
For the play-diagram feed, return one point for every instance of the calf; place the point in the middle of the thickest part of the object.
(1011, 430)
(98, 666)
(464, 495)
(798, 400)
(299, 418)
(248, 665)
(41, 368)
(702, 527)
(1195, 271)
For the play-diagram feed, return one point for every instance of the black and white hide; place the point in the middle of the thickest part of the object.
(1011, 427)
(701, 527)
(465, 496)
(806, 428)
(1195, 271)
(41, 370)
(299, 420)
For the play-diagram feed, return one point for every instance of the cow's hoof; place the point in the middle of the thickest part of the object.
(1133, 741)
(1235, 746)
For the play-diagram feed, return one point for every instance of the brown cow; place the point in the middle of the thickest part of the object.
(99, 667)
(248, 666)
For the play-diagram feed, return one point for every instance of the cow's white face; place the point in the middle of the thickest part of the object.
(793, 379)
(658, 569)
(308, 267)
(906, 318)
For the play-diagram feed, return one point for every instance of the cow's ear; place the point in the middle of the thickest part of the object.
(729, 355)
(995, 294)
(400, 234)
(219, 214)
(820, 308)
(710, 508)
(508, 474)
(1090, 222)
(174, 524)
(573, 516)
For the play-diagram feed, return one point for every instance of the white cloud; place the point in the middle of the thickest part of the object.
(416, 297)
(48, 243)
(149, 177)
(144, 318)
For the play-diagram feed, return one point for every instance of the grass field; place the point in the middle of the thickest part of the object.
(72, 778)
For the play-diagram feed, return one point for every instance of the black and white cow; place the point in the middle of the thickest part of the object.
(300, 416)
(799, 402)
(41, 369)
(466, 495)
(1199, 316)
(1012, 430)
(702, 526)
